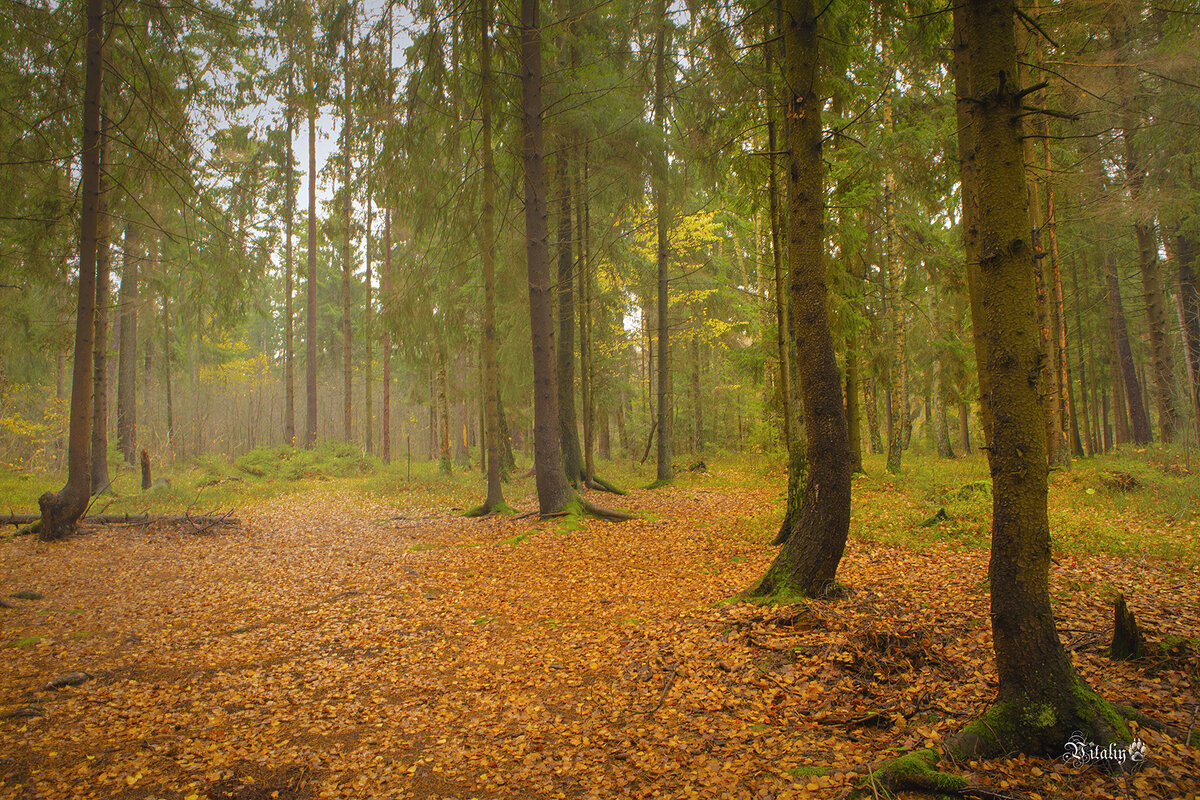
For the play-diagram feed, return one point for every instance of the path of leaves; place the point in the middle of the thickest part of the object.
(326, 650)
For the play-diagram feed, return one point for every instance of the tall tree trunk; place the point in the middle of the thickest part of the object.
(568, 429)
(871, 401)
(443, 402)
(386, 289)
(1089, 441)
(808, 561)
(289, 213)
(99, 468)
(788, 406)
(61, 510)
(969, 192)
(1041, 699)
(1187, 306)
(127, 347)
(853, 417)
(347, 343)
(310, 312)
(897, 374)
(1139, 420)
(554, 493)
(584, 275)
(166, 308)
(665, 473)
(1147, 241)
(368, 316)
(491, 367)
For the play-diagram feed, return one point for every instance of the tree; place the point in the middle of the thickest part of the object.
(807, 563)
(665, 474)
(491, 370)
(61, 510)
(1040, 700)
(310, 312)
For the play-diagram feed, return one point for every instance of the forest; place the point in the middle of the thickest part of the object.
(638, 399)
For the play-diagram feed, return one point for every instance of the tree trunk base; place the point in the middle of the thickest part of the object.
(1038, 727)
(489, 509)
(60, 514)
(661, 483)
(1007, 727)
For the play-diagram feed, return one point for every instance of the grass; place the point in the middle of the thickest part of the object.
(1136, 501)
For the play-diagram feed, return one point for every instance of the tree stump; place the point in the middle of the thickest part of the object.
(1127, 642)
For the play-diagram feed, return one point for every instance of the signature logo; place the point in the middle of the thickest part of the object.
(1080, 751)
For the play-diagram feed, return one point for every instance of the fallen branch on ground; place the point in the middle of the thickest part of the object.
(199, 521)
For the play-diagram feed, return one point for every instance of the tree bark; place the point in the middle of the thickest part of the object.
(665, 473)
(897, 372)
(61, 510)
(554, 493)
(368, 311)
(347, 335)
(1040, 699)
(289, 213)
(1187, 306)
(100, 480)
(969, 191)
(583, 272)
(1139, 420)
(127, 346)
(808, 561)
(788, 406)
(568, 429)
(443, 404)
(386, 289)
(310, 312)
(491, 368)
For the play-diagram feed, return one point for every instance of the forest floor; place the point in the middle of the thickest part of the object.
(358, 638)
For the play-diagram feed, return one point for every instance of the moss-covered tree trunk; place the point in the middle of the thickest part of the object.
(1041, 699)
(808, 561)
(61, 510)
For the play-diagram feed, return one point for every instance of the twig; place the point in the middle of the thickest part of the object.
(663, 696)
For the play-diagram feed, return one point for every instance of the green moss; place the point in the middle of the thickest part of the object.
(1039, 715)
(25, 594)
(913, 771)
(28, 641)
(661, 483)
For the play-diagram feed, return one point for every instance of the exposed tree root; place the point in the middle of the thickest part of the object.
(596, 483)
(661, 483)
(580, 506)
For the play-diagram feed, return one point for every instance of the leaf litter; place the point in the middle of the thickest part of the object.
(337, 646)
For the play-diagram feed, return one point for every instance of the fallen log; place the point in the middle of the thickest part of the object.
(129, 519)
